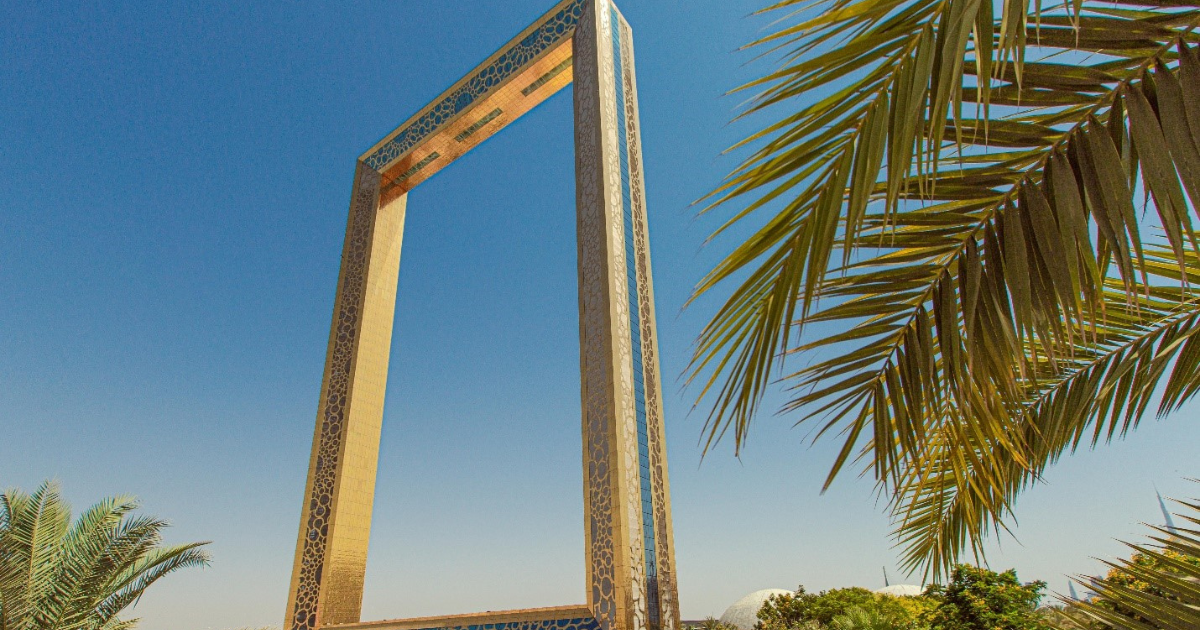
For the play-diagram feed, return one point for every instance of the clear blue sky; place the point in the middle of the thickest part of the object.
(174, 182)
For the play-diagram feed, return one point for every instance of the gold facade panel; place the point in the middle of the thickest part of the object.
(664, 536)
(335, 518)
(629, 560)
(546, 76)
(356, 484)
(553, 18)
(601, 509)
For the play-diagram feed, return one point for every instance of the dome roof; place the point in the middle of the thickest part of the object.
(901, 590)
(744, 612)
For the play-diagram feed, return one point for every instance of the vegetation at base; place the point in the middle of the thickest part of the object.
(712, 623)
(1150, 574)
(59, 575)
(1157, 588)
(975, 599)
(795, 611)
(979, 599)
(863, 619)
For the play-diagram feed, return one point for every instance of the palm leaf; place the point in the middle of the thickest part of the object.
(55, 575)
(961, 197)
(1170, 597)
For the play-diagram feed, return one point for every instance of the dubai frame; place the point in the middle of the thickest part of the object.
(630, 581)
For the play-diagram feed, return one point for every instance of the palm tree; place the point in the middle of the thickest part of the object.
(58, 575)
(955, 184)
(1157, 589)
(862, 619)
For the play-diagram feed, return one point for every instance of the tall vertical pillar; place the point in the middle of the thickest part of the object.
(627, 519)
(628, 540)
(656, 495)
(335, 525)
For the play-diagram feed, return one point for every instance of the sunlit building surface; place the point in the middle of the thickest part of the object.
(630, 583)
(743, 614)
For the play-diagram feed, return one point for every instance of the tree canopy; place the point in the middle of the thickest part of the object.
(59, 575)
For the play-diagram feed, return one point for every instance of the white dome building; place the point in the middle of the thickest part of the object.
(901, 590)
(743, 613)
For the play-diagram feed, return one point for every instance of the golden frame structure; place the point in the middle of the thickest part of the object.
(630, 562)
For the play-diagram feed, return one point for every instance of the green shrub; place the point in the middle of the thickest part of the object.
(808, 610)
(979, 599)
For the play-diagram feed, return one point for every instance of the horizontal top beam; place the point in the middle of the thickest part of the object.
(519, 76)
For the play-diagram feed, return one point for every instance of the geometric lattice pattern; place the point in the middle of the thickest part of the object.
(578, 623)
(560, 26)
(630, 581)
(334, 399)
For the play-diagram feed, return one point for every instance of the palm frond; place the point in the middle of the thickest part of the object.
(977, 171)
(28, 547)
(83, 547)
(54, 574)
(1168, 592)
(960, 490)
(132, 583)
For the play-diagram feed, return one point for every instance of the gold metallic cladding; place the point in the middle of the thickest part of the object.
(545, 78)
(664, 537)
(328, 574)
(600, 465)
(616, 557)
(467, 77)
(477, 124)
(331, 550)
(412, 170)
(631, 561)
(347, 556)
(508, 98)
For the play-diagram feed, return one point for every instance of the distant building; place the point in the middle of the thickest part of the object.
(901, 590)
(744, 612)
